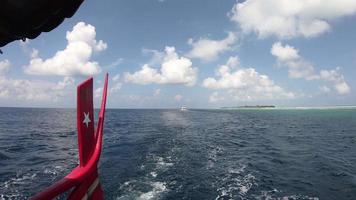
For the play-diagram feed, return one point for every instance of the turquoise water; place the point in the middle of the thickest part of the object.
(197, 154)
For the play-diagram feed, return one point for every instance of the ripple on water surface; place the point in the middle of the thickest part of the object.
(198, 154)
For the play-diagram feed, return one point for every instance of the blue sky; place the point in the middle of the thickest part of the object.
(201, 54)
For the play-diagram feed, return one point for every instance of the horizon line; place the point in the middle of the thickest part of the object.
(197, 108)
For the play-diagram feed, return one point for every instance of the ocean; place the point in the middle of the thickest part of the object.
(196, 154)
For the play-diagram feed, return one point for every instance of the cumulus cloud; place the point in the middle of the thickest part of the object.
(207, 49)
(245, 84)
(116, 85)
(289, 18)
(74, 59)
(215, 97)
(336, 79)
(284, 53)
(174, 70)
(22, 89)
(298, 67)
(67, 81)
(156, 57)
(4, 66)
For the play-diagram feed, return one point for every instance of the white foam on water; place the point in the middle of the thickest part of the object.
(244, 189)
(236, 184)
(18, 180)
(153, 174)
(273, 195)
(157, 189)
(238, 170)
(213, 156)
(11, 196)
(133, 192)
(54, 172)
(50, 171)
(147, 187)
(296, 197)
(142, 167)
(162, 163)
(7, 191)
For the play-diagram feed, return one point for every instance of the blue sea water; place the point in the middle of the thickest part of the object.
(197, 154)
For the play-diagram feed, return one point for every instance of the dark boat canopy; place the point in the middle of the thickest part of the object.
(21, 19)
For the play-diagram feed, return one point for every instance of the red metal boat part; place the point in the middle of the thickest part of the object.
(83, 182)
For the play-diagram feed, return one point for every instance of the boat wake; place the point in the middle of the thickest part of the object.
(8, 190)
(235, 184)
(276, 195)
(149, 186)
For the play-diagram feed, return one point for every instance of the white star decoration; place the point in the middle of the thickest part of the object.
(86, 120)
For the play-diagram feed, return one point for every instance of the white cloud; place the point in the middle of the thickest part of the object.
(174, 70)
(284, 53)
(67, 81)
(116, 63)
(116, 77)
(31, 90)
(97, 92)
(337, 79)
(233, 62)
(178, 97)
(207, 49)
(246, 84)
(215, 97)
(298, 67)
(324, 89)
(156, 56)
(74, 59)
(289, 18)
(146, 75)
(4, 66)
(28, 90)
(116, 85)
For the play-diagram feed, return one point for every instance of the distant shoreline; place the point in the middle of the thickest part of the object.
(290, 107)
(256, 106)
(197, 108)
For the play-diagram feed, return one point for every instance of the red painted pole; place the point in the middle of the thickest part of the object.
(83, 180)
